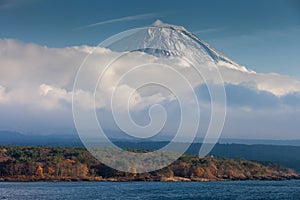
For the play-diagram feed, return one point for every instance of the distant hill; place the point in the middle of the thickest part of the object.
(15, 138)
(10, 135)
(265, 142)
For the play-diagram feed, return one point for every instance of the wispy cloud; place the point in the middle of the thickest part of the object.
(122, 19)
(208, 30)
(7, 4)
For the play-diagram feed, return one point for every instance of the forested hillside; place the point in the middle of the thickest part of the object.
(77, 164)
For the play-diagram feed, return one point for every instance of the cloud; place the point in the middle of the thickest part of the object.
(247, 97)
(292, 99)
(208, 30)
(28, 68)
(38, 81)
(274, 83)
(4, 4)
(2, 94)
(52, 96)
(122, 19)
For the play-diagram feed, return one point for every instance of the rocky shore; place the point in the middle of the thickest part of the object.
(131, 179)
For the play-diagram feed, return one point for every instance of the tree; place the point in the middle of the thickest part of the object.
(51, 170)
(197, 171)
(40, 170)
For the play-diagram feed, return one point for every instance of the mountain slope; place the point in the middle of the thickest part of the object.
(214, 54)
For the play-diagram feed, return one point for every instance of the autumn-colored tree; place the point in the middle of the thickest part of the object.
(51, 170)
(134, 172)
(40, 170)
(70, 160)
(85, 170)
(4, 150)
(198, 171)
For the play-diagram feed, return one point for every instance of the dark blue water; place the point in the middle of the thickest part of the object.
(152, 190)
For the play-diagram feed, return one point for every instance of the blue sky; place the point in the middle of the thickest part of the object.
(260, 34)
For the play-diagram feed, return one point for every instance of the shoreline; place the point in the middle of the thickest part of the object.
(124, 179)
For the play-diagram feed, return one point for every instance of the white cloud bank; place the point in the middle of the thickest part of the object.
(42, 78)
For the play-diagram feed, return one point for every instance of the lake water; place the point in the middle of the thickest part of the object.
(152, 190)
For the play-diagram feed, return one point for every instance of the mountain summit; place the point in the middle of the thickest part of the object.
(199, 44)
(164, 40)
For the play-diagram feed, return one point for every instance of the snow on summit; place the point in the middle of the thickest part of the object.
(181, 44)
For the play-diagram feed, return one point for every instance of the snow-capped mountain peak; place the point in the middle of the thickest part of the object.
(214, 54)
(159, 23)
(164, 40)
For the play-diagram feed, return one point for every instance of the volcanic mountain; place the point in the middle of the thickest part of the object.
(162, 39)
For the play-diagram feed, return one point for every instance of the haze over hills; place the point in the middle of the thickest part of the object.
(16, 138)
